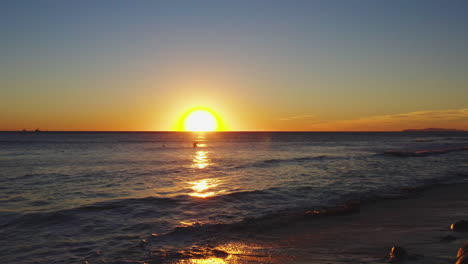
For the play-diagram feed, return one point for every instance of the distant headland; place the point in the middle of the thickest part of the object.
(432, 130)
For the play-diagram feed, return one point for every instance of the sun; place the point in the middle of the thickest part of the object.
(200, 120)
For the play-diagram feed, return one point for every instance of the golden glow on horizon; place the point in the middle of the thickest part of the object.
(200, 120)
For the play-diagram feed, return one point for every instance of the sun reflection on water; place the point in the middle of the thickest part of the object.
(200, 188)
(201, 160)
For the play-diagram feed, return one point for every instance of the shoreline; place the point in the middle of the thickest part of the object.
(420, 223)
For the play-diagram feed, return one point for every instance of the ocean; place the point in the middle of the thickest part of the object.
(173, 197)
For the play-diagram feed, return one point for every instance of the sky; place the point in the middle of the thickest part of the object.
(260, 65)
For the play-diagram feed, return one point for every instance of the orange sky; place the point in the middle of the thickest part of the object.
(302, 66)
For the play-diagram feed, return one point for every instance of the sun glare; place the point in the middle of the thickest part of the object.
(200, 120)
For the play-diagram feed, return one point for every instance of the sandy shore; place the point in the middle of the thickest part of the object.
(418, 223)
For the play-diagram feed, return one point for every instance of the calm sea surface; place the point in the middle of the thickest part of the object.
(75, 197)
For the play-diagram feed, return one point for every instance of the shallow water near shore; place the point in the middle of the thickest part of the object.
(109, 197)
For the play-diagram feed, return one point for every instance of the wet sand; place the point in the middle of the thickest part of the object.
(418, 223)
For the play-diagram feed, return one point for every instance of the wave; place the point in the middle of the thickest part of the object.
(269, 200)
(277, 162)
(149, 206)
(131, 205)
(122, 206)
(159, 206)
(423, 153)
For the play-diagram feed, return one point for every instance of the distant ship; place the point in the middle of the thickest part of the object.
(431, 130)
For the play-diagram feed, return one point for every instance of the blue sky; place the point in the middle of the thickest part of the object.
(138, 65)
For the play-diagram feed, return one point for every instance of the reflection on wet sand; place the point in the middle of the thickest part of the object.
(213, 260)
(234, 252)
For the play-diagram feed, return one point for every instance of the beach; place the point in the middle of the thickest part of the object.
(418, 222)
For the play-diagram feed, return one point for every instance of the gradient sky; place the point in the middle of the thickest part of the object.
(261, 65)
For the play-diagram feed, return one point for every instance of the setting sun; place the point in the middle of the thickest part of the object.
(200, 120)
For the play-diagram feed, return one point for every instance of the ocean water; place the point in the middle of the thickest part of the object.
(81, 197)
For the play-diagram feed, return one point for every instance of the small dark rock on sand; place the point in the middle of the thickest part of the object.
(397, 253)
(462, 255)
(462, 260)
(463, 250)
(460, 226)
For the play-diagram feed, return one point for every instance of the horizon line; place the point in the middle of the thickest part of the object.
(229, 131)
